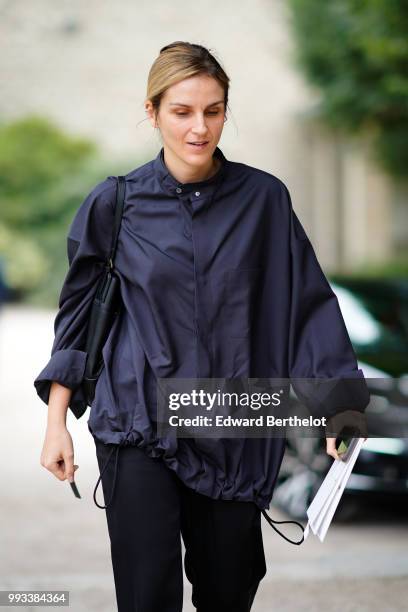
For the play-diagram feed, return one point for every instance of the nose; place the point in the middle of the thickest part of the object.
(200, 126)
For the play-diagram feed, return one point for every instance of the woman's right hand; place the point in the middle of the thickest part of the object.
(57, 454)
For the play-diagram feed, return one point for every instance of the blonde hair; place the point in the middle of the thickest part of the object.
(180, 60)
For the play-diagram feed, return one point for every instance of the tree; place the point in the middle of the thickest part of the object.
(356, 53)
(44, 175)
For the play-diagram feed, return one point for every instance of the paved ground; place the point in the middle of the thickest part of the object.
(51, 540)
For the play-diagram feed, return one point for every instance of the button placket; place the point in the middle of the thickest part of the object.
(200, 321)
(190, 205)
(193, 203)
(185, 211)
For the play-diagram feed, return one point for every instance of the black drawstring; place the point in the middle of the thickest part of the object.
(271, 521)
(114, 476)
(124, 442)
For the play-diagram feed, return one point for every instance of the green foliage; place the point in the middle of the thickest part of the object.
(24, 260)
(38, 166)
(44, 176)
(393, 269)
(356, 53)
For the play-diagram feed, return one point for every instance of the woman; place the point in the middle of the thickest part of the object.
(218, 280)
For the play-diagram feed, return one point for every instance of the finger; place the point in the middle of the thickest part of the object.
(57, 469)
(69, 467)
(331, 448)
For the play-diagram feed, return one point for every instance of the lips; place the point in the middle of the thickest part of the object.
(199, 145)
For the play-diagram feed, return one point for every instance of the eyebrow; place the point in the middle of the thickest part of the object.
(188, 105)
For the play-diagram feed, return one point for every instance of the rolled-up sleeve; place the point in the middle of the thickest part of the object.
(88, 247)
(319, 344)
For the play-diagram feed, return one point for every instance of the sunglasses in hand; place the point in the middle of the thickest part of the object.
(75, 489)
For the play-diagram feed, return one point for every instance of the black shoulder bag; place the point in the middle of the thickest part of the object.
(105, 307)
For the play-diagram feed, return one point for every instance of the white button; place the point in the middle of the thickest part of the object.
(178, 190)
(197, 193)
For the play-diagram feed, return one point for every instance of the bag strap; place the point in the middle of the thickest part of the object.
(271, 521)
(120, 198)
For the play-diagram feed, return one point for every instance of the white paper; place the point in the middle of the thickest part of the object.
(321, 511)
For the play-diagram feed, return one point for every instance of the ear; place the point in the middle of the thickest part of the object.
(151, 113)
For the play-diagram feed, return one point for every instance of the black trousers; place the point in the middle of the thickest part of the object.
(150, 507)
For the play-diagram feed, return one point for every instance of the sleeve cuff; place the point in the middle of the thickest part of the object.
(67, 367)
(328, 397)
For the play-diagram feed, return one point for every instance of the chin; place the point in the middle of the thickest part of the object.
(199, 155)
(197, 159)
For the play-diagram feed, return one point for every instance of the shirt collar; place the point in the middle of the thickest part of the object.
(172, 185)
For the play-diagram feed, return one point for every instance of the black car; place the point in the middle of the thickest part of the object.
(376, 315)
(378, 331)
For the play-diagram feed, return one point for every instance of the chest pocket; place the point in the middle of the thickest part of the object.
(242, 290)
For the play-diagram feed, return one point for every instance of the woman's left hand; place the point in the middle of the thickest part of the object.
(349, 418)
(331, 448)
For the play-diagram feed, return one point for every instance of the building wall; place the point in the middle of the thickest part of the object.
(85, 65)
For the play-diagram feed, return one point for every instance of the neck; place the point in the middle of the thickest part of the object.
(215, 167)
(187, 175)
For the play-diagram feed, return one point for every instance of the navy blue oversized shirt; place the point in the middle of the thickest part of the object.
(218, 279)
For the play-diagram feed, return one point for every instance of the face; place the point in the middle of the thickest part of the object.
(190, 111)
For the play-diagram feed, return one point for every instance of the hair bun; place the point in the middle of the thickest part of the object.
(173, 44)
